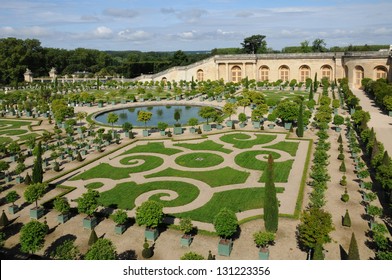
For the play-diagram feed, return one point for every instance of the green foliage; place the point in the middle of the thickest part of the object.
(193, 122)
(120, 217)
(88, 202)
(254, 44)
(346, 219)
(144, 116)
(225, 223)
(103, 249)
(27, 180)
(207, 113)
(340, 140)
(4, 220)
(192, 256)
(229, 109)
(318, 252)
(343, 181)
(61, 205)
(34, 192)
(149, 214)
(287, 111)
(338, 120)
(32, 236)
(147, 251)
(315, 227)
(66, 251)
(11, 197)
(242, 117)
(38, 172)
(127, 126)
(300, 121)
(93, 237)
(353, 252)
(271, 204)
(345, 197)
(342, 167)
(162, 126)
(341, 156)
(186, 225)
(264, 238)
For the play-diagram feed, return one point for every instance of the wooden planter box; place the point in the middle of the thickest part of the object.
(119, 229)
(162, 132)
(229, 123)
(263, 254)
(206, 127)
(256, 125)
(287, 125)
(12, 209)
(352, 111)
(90, 222)
(192, 130)
(186, 240)
(123, 101)
(219, 99)
(62, 218)
(242, 125)
(36, 213)
(178, 98)
(390, 113)
(219, 126)
(224, 247)
(145, 133)
(271, 126)
(158, 99)
(19, 180)
(201, 98)
(177, 130)
(100, 105)
(151, 234)
(8, 178)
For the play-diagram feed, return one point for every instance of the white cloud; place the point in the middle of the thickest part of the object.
(34, 31)
(138, 35)
(168, 10)
(103, 32)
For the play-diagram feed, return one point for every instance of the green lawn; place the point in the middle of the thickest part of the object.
(12, 132)
(5, 140)
(214, 178)
(289, 147)
(123, 195)
(26, 136)
(236, 200)
(248, 160)
(240, 140)
(105, 170)
(276, 95)
(199, 160)
(14, 124)
(207, 145)
(153, 147)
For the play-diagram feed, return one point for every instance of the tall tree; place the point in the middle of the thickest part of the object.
(300, 121)
(254, 44)
(353, 252)
(38, 172)
(319, 45)
(305, 48)
(271, 204)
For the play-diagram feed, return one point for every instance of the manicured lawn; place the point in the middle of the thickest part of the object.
(276, 95)
(105, 170)
(248, 160)
(153, 147)
(123, 195)
(94, 185)
(5, 140)
(289, 147)
(236, 200)
(208, 145)
(199, 160)
(240, 140)
(26, 136)
(14, 124)
(214, 178)
(12, 132)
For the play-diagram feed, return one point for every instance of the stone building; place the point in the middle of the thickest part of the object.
(272, 67)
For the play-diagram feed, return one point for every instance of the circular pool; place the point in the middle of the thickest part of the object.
(160, 113)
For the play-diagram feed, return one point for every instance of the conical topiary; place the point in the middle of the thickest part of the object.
(340, 140)
(4, 220)
(27, 179)
(210, 256)
(353, 252)
(79, 157)
(93, 238)
(346, 219)
(342, 167)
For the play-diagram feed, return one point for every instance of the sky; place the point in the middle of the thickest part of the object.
(191, 25)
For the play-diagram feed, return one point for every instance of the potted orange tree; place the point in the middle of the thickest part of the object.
(62, 206)
(120, 218)
(225, 224)
(87, 204)
(263, 239)
(150, 214)
(32, 194)
(186, 227)
(11, 197)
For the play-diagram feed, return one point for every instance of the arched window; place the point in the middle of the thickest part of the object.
(200, 75)
(326, 71)
(304, 73)
(284, 73)
(358, 76)
(264, 72)
(236, 74)
(380, 72)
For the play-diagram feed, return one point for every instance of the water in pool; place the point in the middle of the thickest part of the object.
(159, 114)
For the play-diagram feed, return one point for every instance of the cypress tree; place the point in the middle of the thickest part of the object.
(300, 122)
(318, 252)
(353, 252)
(386, 159)
(315, 83)
(346, 219)
(93, 238)
(271, 207)
(4, 220)
(311, 95)
(38, 172)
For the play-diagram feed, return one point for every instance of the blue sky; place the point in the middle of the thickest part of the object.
(151, 25)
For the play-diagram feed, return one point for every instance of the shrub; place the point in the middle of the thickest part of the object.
(264, 238)
(342, 167)
(93, 238)
(341, 156)
(79, 157)
(186, 225)
(120, 217)
(225, 223)
(346, 219)
(192, 256)
(56, 167)
(147, 251)
(345, 197)
(27, 180)
(343, 181)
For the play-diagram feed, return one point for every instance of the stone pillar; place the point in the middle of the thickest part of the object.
(28, 76)
(227, 72)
